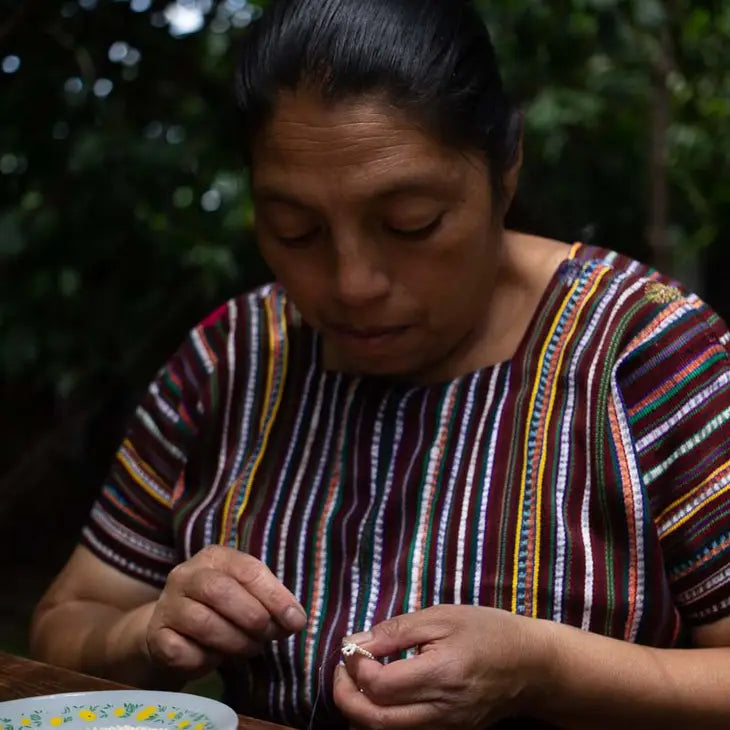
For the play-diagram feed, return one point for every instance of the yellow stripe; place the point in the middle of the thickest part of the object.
(233, 490)
(275, 407)
(130, 470)
(272, 361)
(689, 495)
(533, 398)
(543, 457)
(691, 514)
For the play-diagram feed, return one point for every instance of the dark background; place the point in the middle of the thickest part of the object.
(125, 216)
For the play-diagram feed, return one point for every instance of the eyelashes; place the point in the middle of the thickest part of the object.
(417, 234)
(405, 234)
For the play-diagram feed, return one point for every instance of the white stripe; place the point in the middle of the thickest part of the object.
(585, 526)
(692, 404)
(131, 539)
(132, 466)
(476, 457)
(315, 614)
(373, 491)
(151, 426)
(245, 450)
(303, 399)
(434, 465)
(284, 531)
(712, 611)
(712, 425)
(448, 503)
(127, 566)
(485, 487)
(718, 579)
(405, 489)
(704, 495)
(202, 351)
(374, 590)
(561, 484)
(636, 488)
(354, 581)
(163, 406)
(278, 671)
(233, 319)
(328, 650)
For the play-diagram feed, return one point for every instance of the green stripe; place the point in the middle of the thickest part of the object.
(601, 420)
(693, 375)
(414, 537)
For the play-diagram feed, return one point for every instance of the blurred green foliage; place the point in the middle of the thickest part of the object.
(124, 213)
(587, 72)
(123, 206)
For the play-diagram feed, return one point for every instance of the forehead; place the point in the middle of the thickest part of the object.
(362, 143)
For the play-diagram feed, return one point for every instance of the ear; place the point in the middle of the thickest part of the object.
(511, 177)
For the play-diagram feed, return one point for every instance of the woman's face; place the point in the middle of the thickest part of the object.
(385, 240)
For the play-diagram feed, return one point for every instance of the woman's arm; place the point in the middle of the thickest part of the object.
(94, 619)
(596, 682)
(221, 602)
(478, 665)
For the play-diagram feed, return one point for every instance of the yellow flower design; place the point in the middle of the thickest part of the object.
(146, 713)
(658, 293)
(171, 715)
(199, 726)
(87, 715)
(119, 711)
(25, 722)
(56, 721)
(183, 724)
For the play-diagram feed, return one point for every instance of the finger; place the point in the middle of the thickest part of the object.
(261, 583)
(170, 649)
(402, 632)
(402, 682)
(232, 601)
(361, 711)
(196, 621)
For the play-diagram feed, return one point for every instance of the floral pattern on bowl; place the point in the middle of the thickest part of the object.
(110, 709)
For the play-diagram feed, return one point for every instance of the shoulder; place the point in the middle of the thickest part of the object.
(247, 324)
(647, 310)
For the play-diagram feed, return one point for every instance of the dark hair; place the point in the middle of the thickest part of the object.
(431, 58)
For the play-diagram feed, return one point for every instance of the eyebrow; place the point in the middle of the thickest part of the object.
(405, 186)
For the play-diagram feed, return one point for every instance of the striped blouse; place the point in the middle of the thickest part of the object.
(586, 480)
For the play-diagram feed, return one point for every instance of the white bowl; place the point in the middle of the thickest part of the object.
(116, 709)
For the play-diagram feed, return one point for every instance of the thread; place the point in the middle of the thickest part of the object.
(320, 682)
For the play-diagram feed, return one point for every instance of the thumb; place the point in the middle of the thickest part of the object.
(397, 634)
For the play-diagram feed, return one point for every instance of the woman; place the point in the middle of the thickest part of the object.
(500, 461)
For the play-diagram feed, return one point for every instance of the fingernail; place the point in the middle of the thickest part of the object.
(294, 618)
(362, 638)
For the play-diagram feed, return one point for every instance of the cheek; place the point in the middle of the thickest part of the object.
(299, 274)
(451, 270)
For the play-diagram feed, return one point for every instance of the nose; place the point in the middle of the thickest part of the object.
(360, 279)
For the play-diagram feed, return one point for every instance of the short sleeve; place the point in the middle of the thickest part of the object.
(678, 397)
(130, 525)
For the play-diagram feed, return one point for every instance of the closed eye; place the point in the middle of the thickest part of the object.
(298, 241)
(416, 234)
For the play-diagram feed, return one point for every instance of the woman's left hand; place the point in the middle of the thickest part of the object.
(474, 666)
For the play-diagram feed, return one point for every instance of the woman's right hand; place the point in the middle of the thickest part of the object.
(219, 603)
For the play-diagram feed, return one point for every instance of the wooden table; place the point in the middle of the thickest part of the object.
(20, 677)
